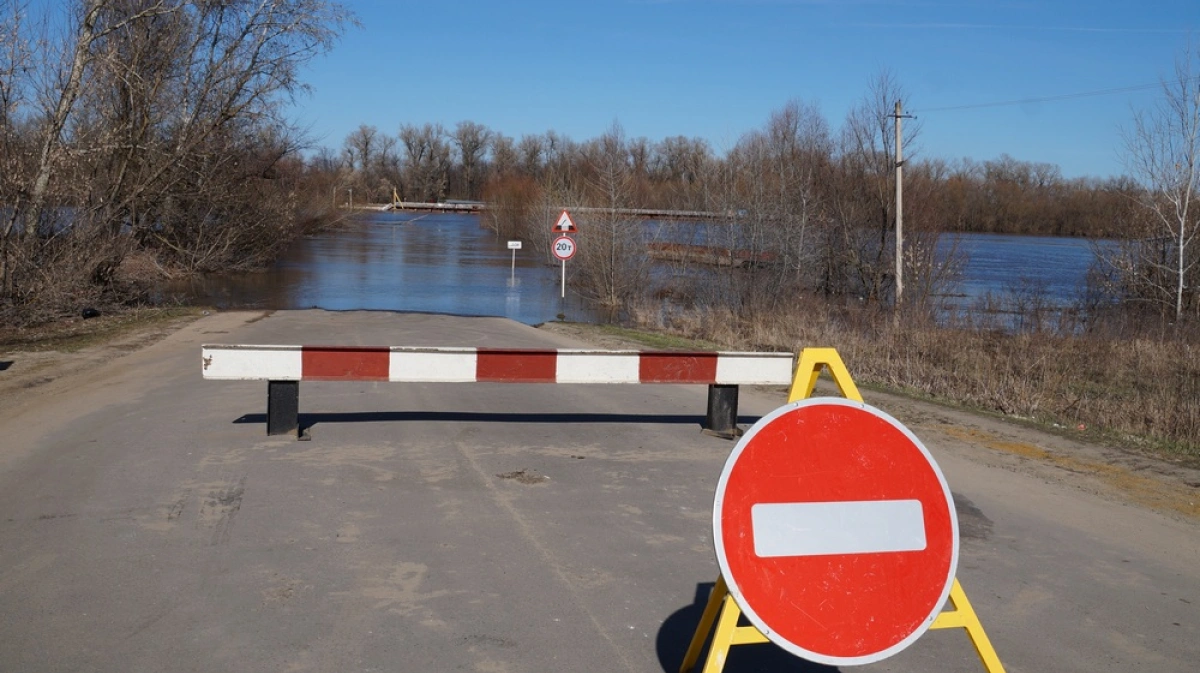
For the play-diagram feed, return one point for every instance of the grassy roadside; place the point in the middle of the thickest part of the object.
(1137, 394)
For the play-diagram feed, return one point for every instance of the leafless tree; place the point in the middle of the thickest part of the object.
(426, 161)
(361, 146)
(865, 217)
(504, 156)
(472, 141)
(1162, 150)
(613, 265)
(532, 152)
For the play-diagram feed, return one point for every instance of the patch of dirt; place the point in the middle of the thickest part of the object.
(1116, 472)
(525, 476)
(30, 361)
(591, 335)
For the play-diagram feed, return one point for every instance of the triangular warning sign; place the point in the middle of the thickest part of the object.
(565, 225)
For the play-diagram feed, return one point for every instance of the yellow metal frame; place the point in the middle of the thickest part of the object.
(722, 604)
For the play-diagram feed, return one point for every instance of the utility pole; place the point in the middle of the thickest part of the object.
(899, 210)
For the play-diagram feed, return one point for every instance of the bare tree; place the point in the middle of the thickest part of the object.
(472, 141)
(1162, 150)
(613, 264)
(532, 152)
(865, 212)
(426, 161)
(15, 58)
(504, 155)
(361, 146)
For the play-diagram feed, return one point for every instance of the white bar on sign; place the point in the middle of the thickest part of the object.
(824, 528)
(597, 367)
(252, 363)
(754, 368)
(432, 365)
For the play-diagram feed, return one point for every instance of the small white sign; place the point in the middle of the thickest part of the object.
(514, 245)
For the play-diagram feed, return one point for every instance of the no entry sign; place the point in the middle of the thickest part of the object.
(835, 531)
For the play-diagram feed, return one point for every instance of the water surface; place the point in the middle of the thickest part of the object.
(440, 263)
(447, 263)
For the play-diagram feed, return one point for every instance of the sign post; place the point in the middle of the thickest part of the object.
(514, 246)
(564, 249)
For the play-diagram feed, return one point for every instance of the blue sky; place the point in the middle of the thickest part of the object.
(717, 69)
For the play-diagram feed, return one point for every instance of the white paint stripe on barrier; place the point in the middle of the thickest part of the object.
(448, 365)
(754, 368)
(598, 366)
(242, 363)
(824, 528)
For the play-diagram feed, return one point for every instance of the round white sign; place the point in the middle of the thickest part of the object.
(563, 248)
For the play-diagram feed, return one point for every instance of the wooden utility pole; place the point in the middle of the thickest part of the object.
(899, 209)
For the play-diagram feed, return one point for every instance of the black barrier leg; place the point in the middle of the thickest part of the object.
(283, 407)
(722, 411)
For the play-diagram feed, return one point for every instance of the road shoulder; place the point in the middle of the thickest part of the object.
(1121, 474)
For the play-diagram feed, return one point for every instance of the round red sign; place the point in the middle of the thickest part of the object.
(835, 531)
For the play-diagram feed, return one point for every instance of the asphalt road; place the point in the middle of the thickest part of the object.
(147, 523)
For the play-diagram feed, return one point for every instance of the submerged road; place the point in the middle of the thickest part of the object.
(147, 523)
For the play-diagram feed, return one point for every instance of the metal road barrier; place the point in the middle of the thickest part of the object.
(284, 367)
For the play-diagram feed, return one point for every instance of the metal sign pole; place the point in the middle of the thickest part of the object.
(512, 274)
(563, 294)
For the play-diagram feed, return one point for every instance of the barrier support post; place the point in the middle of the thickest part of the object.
(283, 407)
(722, 411)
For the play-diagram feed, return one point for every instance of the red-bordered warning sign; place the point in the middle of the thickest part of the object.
(563, 247)
(835, 531)
(564, 224)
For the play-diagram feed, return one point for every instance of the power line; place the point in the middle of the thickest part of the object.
(1047, 99)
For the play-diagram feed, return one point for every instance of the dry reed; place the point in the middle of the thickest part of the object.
(1142, 390)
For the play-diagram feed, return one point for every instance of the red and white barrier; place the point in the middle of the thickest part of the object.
(497, 365)
(285, 366)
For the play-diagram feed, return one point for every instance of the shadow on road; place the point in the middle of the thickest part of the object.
(5, 364)
(307, 421)
(676, 634)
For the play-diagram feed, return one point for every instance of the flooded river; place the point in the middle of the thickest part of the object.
(429, 263)
(445, 263)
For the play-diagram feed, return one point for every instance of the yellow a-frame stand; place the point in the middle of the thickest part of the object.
(722, 603)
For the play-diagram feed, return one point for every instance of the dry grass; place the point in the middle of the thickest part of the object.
(1140, 390)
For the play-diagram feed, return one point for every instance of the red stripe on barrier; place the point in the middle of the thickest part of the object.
(336, 363)
(678, 368)
(516, 366)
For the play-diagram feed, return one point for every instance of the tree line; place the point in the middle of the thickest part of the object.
(811, 202)
(433, 163)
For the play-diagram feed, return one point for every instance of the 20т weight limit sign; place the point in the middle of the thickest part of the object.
(564, 249)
